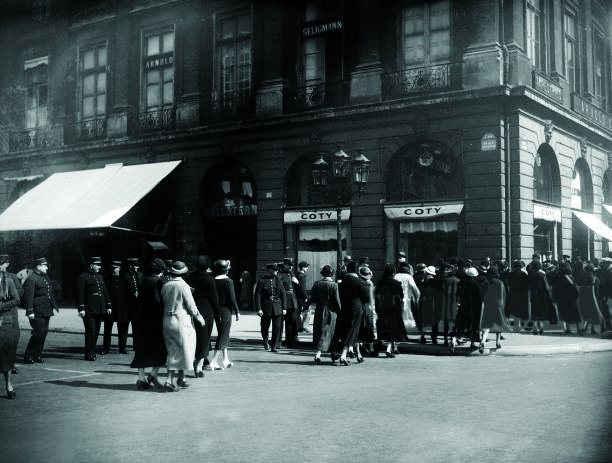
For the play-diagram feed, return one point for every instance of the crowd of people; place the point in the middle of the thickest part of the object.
(172, 310)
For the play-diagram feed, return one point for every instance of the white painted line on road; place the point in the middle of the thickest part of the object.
(67, 371)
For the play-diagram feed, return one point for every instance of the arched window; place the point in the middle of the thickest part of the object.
(427, 171)
(582, 187)
(546, 178)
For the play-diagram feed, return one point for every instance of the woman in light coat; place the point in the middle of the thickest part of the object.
(179, 333)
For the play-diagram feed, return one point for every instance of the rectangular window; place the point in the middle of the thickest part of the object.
(158, 69)
(426, 33)
(570, 49)
(234, 59)
(36, 83)
(92, 70)
(599, 67)
(533, 31)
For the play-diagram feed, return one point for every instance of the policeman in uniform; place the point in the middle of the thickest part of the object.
(290, 283)
(270, 303)
(40, 303)
(92, 303)
(120, 295)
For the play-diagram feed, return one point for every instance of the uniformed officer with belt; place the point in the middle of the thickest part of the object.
(92, 303)
(39, 302)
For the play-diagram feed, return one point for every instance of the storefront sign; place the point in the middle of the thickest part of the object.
(551, 214)
(592, 112)
(317, 29)
(230, 211)
(316, 216)
(159, 61)
(547, 87)
(422, 212)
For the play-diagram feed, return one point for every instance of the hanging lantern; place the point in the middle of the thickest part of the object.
(361, 170)
(320, 171)
(341, 164)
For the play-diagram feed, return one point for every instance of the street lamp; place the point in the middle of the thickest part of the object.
(343, 168)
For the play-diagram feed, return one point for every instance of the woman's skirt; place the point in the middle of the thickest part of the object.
(180, 338)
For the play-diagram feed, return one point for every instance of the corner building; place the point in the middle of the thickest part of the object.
(487, 123)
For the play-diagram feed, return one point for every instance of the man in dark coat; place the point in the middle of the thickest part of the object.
(290, 283)
(39, 302)
(92, 303)
(207, 301)
(120, 294)
(271, 303)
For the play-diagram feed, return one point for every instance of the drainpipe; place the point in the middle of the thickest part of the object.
(508, 189)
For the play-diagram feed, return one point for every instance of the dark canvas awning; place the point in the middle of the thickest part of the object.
(94, 198)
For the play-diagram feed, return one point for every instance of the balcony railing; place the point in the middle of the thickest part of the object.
(38, 137)
(230, 107)
(324, 94)
(408, 82)
(151, 121)
(94, 129)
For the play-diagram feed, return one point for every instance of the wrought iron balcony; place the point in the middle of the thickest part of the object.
(151, 121)
(93, 129)
(38, 137)
(230, 107)
(408, 82)
(324, 94)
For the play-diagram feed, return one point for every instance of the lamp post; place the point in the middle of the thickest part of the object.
(344, 173)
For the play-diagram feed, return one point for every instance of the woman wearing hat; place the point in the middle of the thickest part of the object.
(148, 328)
(366, 330)
(179, 333)
(389, 306)
(469, 310)
(227, 305)
(324, 294)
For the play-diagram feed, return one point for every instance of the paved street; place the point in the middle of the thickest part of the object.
(280, 408)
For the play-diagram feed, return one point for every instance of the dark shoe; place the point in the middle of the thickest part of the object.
(12, 395)
(389, 355)
(568, 331)
(423, 340)
(266, 344)
(198, 374)
(182, 383)
(39, 360)
(142, 385)
(481, 348)
(170, 388)
(152, 380)
(104, 351)
(90, 358)
(124, 351)
(345, 362)
(15, 371)
(334, 357)
(541, 333)
(317, 361)
(359, 359)
(274, 349)
(28, 361)
(498, 345)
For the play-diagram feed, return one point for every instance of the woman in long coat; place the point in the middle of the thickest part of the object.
(179, 334)
(353, 294)
(517, 296)
(389, 297)
(9, 331)
(148, 328)
(469, 310)
(450, 281)
(366, 330)
(207, 300)
(324, 294)
(588, 296)
(494, 300)
(565, 295)
(542, 307)
(227, 305)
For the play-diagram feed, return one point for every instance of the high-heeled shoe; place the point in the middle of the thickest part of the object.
(359, 359)
(228, 364)
(389, 355)
(481, 348)
(317, 361)
(215, 366)
(498, 345)
(170, 388)
(142, 385)
(182, 383)
(12, 395)
(155, 384)
(345, 362)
